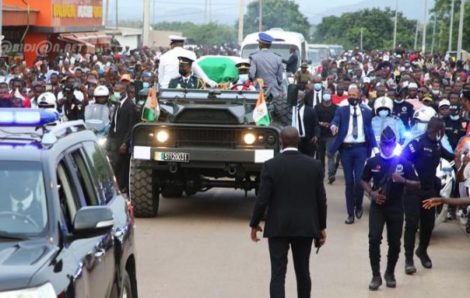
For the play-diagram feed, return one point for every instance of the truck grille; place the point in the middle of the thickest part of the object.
(206, 137)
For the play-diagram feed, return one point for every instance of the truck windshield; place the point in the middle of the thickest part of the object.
(317, 55)
(23, 206)
(280, 49)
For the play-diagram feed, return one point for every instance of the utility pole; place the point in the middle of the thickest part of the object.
(425, 24)
(106, 14)
(459, 41)
(395, 27)
(146, 27)
(416, 35)
(451, 25)
(241, 21)
(434, 34)
(260, 17)
(117, 14)
(362, 37)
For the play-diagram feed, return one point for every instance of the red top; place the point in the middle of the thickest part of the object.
(338, 99)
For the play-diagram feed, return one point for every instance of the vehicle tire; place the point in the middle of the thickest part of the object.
(282, 111)
(127, 286)
(143, 191)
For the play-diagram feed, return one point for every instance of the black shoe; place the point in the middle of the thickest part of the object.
(375, 283)
(390, 280)
(410, 267)
(424, 258)
(359, 212)
(349, 220)
(331, 179)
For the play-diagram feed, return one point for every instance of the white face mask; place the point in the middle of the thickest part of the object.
(243, 78)
(383, 113)
(117, 96)
(327, 97)
(146, 85)
(438, 137)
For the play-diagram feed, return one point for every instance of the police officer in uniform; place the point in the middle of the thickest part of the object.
(390, 175)
(425, 153)
(186, 79)
(403, 110)
(383, 107)
(266, 65)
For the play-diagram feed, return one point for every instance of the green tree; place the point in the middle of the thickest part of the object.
(205, 34)
(283, 14)
(377, 26)
(442, 10)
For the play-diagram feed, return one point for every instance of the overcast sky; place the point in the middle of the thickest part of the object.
(226, 11)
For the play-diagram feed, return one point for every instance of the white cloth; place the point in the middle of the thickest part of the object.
(169, 65)
(26, 203)
(295, 119)
(360, 126)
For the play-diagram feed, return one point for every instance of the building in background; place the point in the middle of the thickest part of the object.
(127, 37)
(33, 28)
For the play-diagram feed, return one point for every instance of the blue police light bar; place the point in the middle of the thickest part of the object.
(26, 117)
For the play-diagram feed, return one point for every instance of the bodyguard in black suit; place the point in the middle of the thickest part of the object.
(124, 119)
(293, 192)
(305, 120)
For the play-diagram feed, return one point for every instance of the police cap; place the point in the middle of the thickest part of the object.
(265, 38)
(388, 136)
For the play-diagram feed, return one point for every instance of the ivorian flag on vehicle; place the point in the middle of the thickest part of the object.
(260, 113)
(151, 110)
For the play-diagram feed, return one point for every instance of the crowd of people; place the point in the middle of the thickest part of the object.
(391, 116)
(349, 108)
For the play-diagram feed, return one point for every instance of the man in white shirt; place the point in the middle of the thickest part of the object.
(355, 140)
(168, 68)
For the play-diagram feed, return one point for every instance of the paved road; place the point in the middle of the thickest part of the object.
(199, 247)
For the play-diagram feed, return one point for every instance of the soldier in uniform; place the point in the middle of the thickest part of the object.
(267, 65)
(186, 79)
(303, 77)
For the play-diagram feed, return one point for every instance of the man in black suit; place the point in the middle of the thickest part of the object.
(22, 199)
(305, 120)
(124, 119)
(292, 189)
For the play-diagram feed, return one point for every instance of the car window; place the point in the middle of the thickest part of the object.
(85, 178)
(68, 198)
(101, 169)
(23, 202)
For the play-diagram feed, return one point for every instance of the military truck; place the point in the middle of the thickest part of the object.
(202, 139)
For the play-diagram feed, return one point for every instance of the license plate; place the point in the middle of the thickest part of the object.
(172, 156)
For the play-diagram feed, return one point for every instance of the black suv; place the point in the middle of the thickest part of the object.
(65, 230)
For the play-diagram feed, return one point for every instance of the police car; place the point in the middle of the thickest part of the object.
(65, 230)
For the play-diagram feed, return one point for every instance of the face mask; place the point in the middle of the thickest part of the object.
(454, 117)
(435, 92)
(117, 96)
(146, 84)
(243, 78)
(326, 97)
(383, 113)
(317, 86)
(352, 101)
(438, 137)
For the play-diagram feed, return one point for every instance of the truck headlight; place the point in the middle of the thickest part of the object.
(46, 291)
(162, 136)
(249, 138)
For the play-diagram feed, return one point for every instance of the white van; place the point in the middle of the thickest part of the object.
(283, 40)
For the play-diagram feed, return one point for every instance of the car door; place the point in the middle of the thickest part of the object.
(99, 256)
